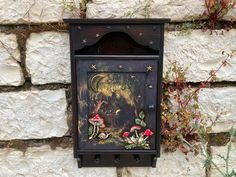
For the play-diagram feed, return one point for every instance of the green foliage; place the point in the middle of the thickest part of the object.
(130, 146)
(141, 115)
(187, 27)
(143, 124)
(178, 124)
(90, 130)
(216, 10)
(83, 5)
(143, 6)
(209, 160)
(140, 119)
(143, 145)
(185, 127)
(138, 137)
(70, 6)
(214, 13)
(181, 116)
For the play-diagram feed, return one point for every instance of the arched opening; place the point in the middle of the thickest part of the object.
(116, 43)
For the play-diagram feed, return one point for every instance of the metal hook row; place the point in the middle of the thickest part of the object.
(117, 158)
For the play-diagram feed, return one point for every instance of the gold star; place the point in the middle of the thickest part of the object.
(149, 68)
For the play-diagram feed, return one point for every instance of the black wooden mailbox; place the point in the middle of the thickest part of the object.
(116, 69)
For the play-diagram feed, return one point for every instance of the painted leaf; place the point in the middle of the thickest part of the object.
(144, 143)
(138, 121)
(141, 115)
(183, 149)
(90, 130)
(130, 146)
(143, 124)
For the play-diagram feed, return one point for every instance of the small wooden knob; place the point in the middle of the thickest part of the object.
(137, 158)
(117, 159)
(97, 158)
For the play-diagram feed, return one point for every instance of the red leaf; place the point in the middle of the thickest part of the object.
(211, 3)
(183, 149)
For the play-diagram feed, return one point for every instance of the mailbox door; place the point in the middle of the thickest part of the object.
(117, 101)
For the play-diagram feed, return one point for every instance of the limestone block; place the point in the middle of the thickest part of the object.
(11, 73)
(42, 161)
(33, 114)
(201, 52)
(48, 58)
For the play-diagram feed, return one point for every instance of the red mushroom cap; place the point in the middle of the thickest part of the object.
(96, 117)
(148, 132)
(135, 127)
(125, 134)
(97, 120)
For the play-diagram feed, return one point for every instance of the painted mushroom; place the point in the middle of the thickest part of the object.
(134, 129)
(97, 123)
(125, 135)
(147, 133)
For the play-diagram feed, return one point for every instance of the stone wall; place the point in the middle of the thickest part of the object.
(35, 98)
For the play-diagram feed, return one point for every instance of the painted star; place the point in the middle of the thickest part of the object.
(93, 66)
(149, 68)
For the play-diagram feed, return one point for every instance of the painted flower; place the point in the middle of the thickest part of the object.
(148, 132)
(125, 134)
(135, 127)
